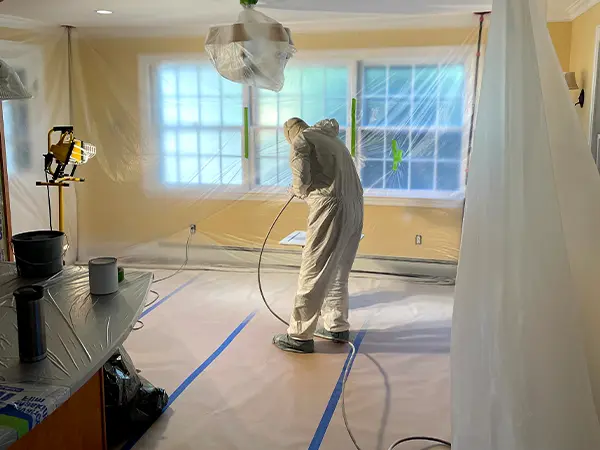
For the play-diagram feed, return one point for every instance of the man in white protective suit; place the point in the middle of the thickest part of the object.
(325, 177)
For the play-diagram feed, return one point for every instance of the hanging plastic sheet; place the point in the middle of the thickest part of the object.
(39, 56)
(527, 291)
(174, 148)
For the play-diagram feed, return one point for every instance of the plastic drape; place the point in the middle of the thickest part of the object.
(82, 331)
(40, 58)
(172, 149)
(526, 317)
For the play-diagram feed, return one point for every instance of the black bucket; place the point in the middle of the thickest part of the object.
(38, 254)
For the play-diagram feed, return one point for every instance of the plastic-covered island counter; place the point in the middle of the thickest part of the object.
(59, 401)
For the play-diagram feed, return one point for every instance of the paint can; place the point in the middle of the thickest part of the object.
(104, 276)
(31, 324)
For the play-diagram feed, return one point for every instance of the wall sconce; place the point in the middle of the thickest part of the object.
(571, 80)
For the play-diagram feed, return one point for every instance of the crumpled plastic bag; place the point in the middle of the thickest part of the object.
(132, 402)
(254, 51)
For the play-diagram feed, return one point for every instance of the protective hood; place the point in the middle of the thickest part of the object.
(331, 127)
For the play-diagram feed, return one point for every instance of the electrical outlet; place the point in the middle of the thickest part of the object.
(193, 228)
(419, 240)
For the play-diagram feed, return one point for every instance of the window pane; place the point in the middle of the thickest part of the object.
(169, 143)
(209, 143)
(421, 177)
(372, 144)
(188, 143)
(289, 107)
(423, 145)
(267, 110)
(231, 143)
(231, 89)
(170, 170)
(452, 81)
(188, 81)
(451, 113)
(188, 111)
(450, 145)
(401, 81)
(188, 170)
(403, 140)
(399, 112)
(267, 171)
(233, 112)
(169, 111)
(374, 112)
(426, 81)
(168, 81)
(266, 143)
(337, 82)
(285, 173)
(372, 174)
(313, 110)
(396, 179)
(232, 170)
(293, 82)
(210, 170)
(425, 112)
(211, 111)
(210, 81)
(313, 82)
(337, 109)
(342, 136)
(448, 176)
(375, 81)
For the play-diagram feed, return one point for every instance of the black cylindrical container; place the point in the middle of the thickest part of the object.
(31, 323)
(38, 254)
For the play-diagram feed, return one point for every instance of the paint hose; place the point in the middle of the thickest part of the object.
(352, 356)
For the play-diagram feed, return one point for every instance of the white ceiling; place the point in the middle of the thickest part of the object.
(188, 15)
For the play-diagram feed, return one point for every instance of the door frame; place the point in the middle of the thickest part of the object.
(592, 144)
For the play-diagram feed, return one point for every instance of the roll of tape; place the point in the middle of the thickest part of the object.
(104, 276)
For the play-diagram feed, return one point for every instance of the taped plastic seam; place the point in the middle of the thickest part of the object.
(522, 373)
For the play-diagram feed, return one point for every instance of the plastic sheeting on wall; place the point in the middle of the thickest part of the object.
(527, 291)
(40, 59)
(172, 149)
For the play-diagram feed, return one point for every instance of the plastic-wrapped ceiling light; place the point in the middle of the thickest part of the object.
(11, 87)
(253, 51)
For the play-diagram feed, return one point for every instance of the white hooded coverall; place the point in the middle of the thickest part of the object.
(324, 175)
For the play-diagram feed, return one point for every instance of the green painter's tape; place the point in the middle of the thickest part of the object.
(397, 154)
(353, 144)
(246, 133)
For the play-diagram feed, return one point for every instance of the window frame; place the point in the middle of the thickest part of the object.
(249, 190)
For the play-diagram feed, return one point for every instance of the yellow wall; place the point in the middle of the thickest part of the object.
(114, 207)
(582, 57)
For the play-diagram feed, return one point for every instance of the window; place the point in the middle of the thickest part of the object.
(200, 126)
(16, 126)
(422, 108)
(420, 104)
(312, 93)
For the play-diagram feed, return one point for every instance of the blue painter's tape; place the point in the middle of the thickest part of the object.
(317, 439)
(210, 359)
(167, 297)
(189, 380)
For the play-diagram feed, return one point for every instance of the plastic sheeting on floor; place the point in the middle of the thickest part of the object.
(253, 396)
